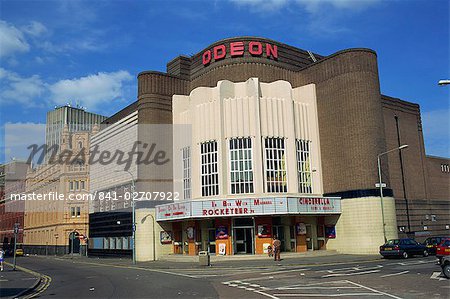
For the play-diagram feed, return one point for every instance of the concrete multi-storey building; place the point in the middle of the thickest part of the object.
(282, 141)
(75, 118)
(61, 213)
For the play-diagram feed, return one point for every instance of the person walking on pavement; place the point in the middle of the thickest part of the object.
(276, 245)
(2, 255)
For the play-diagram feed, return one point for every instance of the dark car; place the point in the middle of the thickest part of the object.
(432, 243)
(443, 249)
(445, 265)
(403, 248)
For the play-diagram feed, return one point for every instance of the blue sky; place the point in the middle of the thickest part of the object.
(55, 51)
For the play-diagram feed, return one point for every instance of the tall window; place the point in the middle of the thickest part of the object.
(186, 155)
(241, 165)
(304, 166)
(210, 173)
(275, 165)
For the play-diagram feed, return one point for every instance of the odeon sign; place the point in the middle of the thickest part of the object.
(237, 49)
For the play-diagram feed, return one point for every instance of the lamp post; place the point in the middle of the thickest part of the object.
(133, 208)
(381, 184)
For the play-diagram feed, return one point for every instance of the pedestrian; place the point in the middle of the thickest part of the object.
(2, 255)
(276, 245)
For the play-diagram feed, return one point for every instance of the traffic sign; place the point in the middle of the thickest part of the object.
(382, 185)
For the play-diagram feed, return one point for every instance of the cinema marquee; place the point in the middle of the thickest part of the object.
(237, 49)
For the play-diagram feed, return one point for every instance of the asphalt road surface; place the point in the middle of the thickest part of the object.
(337, 276)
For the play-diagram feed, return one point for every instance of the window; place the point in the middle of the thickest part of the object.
(71, 186)
(210, 173)
(186, 155)
(82, 183)
(72, 212)
(304, 166)
(445, 168)
(78, 212)
(77, 185)
(275, 166)
(241, 167)
(80, 144)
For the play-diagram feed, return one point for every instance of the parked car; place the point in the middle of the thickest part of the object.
(403, 248)
(432, 243)
(443, 249)
(445, 265)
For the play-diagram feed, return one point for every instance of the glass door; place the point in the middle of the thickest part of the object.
(212, 240)
(278, 230)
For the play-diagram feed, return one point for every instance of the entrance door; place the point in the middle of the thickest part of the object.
(309, 237)
(212, 240)
(73, 238)
(243, 240)
(278, 230)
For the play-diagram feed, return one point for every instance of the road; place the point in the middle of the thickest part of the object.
(335, 276)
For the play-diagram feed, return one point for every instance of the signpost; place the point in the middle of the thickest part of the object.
(16, 231)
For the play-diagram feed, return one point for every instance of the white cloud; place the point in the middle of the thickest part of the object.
(90, 91)
(24, 90)
(12, 40)
(35, 29)
(436, 130)
(18, 136)
(312, 6)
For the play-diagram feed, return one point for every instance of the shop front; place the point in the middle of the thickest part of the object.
(247, 226)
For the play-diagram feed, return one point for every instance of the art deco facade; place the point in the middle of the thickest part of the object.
(295, 136)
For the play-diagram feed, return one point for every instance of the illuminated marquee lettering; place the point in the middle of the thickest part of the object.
(237, 49)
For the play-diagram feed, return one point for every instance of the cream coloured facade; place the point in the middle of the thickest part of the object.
(49, 223)
(257, 111)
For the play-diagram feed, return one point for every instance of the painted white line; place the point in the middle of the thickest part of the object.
(254, 285)
(435, 275)
(313, 288)
(29, 278)
(249, 289)
(373, 290)
(349, 274)
(416, 263)
(284, 271)
(328, 295)
(3, 279)
(393, 274)
(265, 294)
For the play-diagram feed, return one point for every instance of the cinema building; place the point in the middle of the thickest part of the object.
(281, 141)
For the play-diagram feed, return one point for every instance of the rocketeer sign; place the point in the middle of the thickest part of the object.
(248, 207)
(237, 49)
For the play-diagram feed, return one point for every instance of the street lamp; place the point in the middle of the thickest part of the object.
(133, 208)
(381, 184)
(444, 82)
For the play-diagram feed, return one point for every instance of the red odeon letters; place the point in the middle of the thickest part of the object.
(237, 49)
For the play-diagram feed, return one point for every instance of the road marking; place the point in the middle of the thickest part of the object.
(3, 279)
(349, 274)
(373, 290)
(327, 295)
(393, 274)
(312, 287)
(284, 271)
(437, 275)
(265, 294)
(416, 263)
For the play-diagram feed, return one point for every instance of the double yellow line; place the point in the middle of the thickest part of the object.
(44, 281)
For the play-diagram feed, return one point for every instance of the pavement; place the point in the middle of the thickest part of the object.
(16, 283)
(315, 275)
